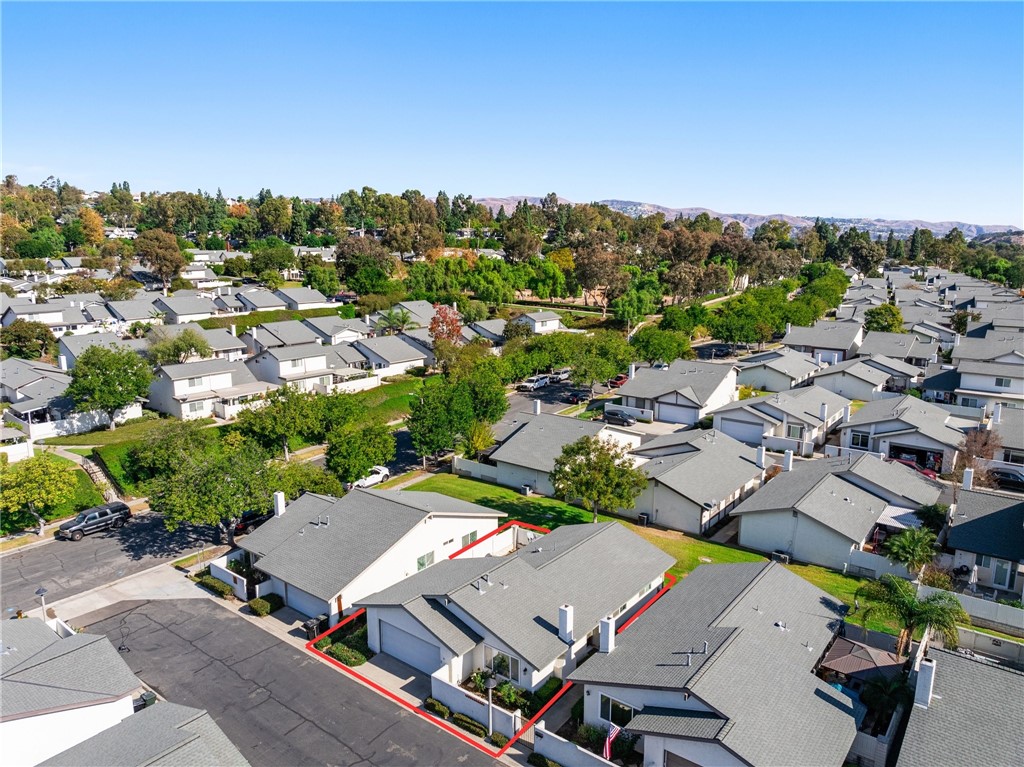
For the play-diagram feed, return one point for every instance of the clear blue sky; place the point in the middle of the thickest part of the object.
(873, 109)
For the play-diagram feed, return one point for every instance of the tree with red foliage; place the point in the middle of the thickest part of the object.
(446, 324)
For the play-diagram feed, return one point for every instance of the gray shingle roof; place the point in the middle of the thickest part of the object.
(391, 349)
(78, 344)
(855, 368)
(696, 381)
(284, 333)
(330, 326)
(992, 347)
(162, 735)
(452, 632)
(40, 672)
(187, 305)
(890, 365)
(133, 310)
(1011, 428)
(1008, 369)
(750, 668)
(542, 316)
(495, 327)
(261, 299)
(539, 442)
(910, 414)
(794, 364)
(299, 352)
(679, 723)
(16, 372)
(364, 524)
(803, 404)
(301, 295)
(986, 523)
(975, 716)
(823, 335)
(179, 371)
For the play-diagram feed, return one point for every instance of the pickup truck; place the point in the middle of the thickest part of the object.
(533, 383)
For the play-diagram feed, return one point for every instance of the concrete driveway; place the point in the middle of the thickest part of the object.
(277, 704)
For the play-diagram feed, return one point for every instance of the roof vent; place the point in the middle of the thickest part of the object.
(781, 626)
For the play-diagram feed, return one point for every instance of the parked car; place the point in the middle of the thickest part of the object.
(616, 382)
(919, 469)
(377, 475)
(562, 374)
(577, 397)
(619, 418)
(1008, 479)
(250, 520)
(660, 366)
(109, 516)
(534, 382)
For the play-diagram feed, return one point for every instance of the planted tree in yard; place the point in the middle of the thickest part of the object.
(108, 378)
(913, 548)
(479, 437)
(884, 694)
(168, 348)
(599, 473)
(351, 453)
(159, 252)
(897, 598)
(653, 344)
(175, 443)
(442, 414)
(322, 278)
(298, 477)
(288, 413)
(30, 488)
(27, 340)
(445, 325)
(883, 319)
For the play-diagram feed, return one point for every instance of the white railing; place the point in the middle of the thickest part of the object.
(17, 451)
(802, 448)
(835, 451)
(75, 423)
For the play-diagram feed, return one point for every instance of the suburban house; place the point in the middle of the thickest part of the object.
(229, 303)
(833, 511)
(527, 616)
(966, 710)
(334, 330)
(994, 347)
(259, 300)
(825, 341)
(206, 389)
(541, 322)
(135, 310)
(270, 335)
(420, 314)
(323, 554)
(389, 355)
(797, 420)
(720, 671)
(302, 298)
(303, 367)
(987, 384)
(202, 277)
(909, 429)
(985, 531)
(70, 348)
(775, 370)
(179, 310)
(853, 379)
(684, 392)
(899, 346)
(60, 318)
(694, 479)
(527, 456)
(223, 343)
(1009, 424)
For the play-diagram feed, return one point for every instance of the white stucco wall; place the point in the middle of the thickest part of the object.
(515, 477)
(764, 378)
(699, 752)
(637, 697)
(35, 739)
(666, 508)
(804, 538)
(847, 385)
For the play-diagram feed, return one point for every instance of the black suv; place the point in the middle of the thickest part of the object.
(250, 520)
(109, 516)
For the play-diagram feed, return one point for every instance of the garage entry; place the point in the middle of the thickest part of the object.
(743, 431)
(409, 649)
(304, 602)
(668, 413)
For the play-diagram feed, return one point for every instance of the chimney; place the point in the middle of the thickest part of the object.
(760, 457)
(787, 461)
(632, 371)
(62, 362)
(846, 413)
(789, 328)
(968, 479)
(279, 504)
(925, 683)
(565, 632)
(536, 407)
(607, 629)
(823, 412)
(455, 306)
(366, 318)
(234, 330)
(956, 339)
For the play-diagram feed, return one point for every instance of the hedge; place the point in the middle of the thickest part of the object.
(259, 607)
(470, 725)
(276, 601)
(346, 655)
(434, 706)
(215, 585)
(323, 644)
(498, 739)
(539, 760)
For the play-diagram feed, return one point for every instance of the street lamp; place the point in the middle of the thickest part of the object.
(490, 684)
(41, 593)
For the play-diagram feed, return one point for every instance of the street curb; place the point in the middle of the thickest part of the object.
(54, 539)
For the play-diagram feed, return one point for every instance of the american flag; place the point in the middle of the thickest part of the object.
(613, 733)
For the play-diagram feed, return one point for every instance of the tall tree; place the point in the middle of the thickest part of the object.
(885, 318)
(27, 340)
(34, 486)
(440, 416)
(288, 413)
(598, 472)
(654, 345)
(351, 453)
(322, 278)
(913, 548)
(158, 251)
(897, 599)
(167, 347)
(446, 324)
(108, 378)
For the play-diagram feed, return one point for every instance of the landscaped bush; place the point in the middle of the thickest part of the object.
(547, 691)
(346, 655)
(576, 714)
(539, 760)
(937, 578)
(217, 586)
(434, 706)
(498, 739)
(470, 725)
(323, 644)
(276, 601)
(259, 607)
(591, 737)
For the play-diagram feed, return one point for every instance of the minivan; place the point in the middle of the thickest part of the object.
(533, 383)
(109, 516)
(619, 418)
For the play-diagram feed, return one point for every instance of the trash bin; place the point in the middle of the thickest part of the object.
(322, 623)
(311, 626)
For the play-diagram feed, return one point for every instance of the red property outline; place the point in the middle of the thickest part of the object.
(670, 582)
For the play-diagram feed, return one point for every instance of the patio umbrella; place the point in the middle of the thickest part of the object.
(973, 580)
(855, 659)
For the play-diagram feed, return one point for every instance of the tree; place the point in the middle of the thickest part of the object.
(167, 347)
(108, 378)
(479, 437)
(173, 445)
(324, 279)
(974, 451)
(298, 477)
(440, 417)
(884, 694)
(897, 599)
(520, 245)
(158, 251)
(395, 320)
(351, 453)
(446, 325)
(961, 318)
(27, 340)
(933, 516)
(288, 413)
(486, 393)
(271, 279)
(913, 548)
(92, 226)
(274, 216)
(33, 486)
(886, 318)
(653, 344)
(119, 289)
(598, 472)
(515, 330)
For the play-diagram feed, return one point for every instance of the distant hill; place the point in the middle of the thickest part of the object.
(750, 221)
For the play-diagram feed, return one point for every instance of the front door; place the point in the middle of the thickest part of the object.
(1001, 573)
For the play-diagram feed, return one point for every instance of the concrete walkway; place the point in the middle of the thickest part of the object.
(560, 713)
(727, 534)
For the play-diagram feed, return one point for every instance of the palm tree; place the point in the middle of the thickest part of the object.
(883, 694)
(897, 599)
(396, 320)
(913, 548)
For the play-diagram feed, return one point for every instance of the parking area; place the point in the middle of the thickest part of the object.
(277, 704)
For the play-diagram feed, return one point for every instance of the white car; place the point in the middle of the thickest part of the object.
(377, 475)
(533, 383)
(561, 375)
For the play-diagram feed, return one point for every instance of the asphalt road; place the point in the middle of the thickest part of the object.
(66, 568)
(278, 705)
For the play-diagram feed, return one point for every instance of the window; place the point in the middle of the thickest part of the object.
(422, 563)
(468, 538)
(860, 439)
(982, 560)
(1003, 383)
(502, 664)
(795, 431)
(193, 382)
(614, 712)
(195, 407)
(1013, 456)
(968, 401)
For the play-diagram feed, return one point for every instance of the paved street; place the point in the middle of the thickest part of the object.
(405, 456)
(277, 704)
(65, 568)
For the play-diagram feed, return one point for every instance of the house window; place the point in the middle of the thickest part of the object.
(860, 439)
(983, 560)
(422, 563)
(468, 538)
(795, 431)
(502, 664)
(968, 401)
(1013, 456)
(196, 407)
(1003, 383)
(193, 382)
(614, 712)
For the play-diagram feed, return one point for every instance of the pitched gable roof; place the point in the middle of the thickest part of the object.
(987, 523)
(538, 442)
(696, 381)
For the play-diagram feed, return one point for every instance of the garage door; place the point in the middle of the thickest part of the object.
(409, 649)
(676, 414)
(743, 431)
(305, 603)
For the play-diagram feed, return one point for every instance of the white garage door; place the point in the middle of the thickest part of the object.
(304, 602)
(676, 414)
(409, 649)
(743, 431)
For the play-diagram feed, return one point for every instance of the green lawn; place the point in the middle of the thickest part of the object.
(244, 322)
(138, 429)
(843, 588)
(389, 402)
(85, 452)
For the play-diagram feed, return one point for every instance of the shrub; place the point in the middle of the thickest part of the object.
(498, 739)
(539, 760)
(937, 578)
(470, 725)
(624, 745)
(217, 586)
(276, 601)
(591, 737)
(577, 711)
(259, 607)
(434, 706)
(346, 655)
(548, 690)
(323, 644)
